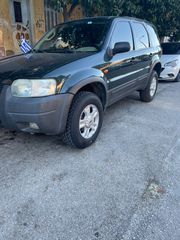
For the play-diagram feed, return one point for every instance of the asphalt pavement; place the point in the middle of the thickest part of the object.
(125, 186)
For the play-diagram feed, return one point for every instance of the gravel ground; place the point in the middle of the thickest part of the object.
(125, 186)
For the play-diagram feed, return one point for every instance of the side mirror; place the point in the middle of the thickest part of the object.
(121, 47)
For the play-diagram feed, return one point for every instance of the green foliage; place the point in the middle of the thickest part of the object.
(164, 14)
(59, 4)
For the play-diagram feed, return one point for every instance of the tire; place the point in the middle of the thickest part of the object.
(147, 95)
(177, 79)
(86, 109)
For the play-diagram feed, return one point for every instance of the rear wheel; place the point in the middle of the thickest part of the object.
(149, 92)
(84, 120)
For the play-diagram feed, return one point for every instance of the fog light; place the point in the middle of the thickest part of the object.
(171, 75)
(33, 126)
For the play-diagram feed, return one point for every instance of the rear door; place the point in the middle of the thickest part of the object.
(142, 53)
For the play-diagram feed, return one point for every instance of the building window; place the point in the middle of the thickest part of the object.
(17, 12)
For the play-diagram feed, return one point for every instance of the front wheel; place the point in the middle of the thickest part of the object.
(149, 92)
(84, 120)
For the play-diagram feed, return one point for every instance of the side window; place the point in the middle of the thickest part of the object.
(140, 36)
(154, 41)
(122, 33)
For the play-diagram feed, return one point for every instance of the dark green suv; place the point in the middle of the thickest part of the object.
(63, 86)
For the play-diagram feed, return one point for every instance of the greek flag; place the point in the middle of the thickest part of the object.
(25, 47)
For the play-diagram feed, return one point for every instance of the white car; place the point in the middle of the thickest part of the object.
(170, 61)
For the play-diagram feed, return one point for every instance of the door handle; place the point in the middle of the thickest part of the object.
(132, 59)
(151, 54)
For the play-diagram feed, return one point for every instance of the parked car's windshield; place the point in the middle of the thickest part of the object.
(171, 48)
(77, 36)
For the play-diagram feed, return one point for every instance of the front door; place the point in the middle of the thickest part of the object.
(121, 66)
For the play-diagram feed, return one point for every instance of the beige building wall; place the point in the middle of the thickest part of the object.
(6, 39)
(32, 28)
(37, 19)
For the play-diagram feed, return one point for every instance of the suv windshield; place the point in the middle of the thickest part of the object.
(171, 48)
(78, 36)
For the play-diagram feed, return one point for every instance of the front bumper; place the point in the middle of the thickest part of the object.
(48, 113)
(169, 73)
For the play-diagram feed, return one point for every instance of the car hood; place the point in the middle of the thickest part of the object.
(169, 58)
(35, 65)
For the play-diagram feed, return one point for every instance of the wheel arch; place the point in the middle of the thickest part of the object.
(157, 67)
(94, 85)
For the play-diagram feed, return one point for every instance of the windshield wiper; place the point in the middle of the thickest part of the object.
(60, 50)
(53, 50)
(38, 51)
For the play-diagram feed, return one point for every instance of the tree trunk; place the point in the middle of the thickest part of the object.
(72, 8)
(65, 14)
(162, 39)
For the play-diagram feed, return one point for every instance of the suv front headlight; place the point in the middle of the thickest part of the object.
(33, 87)
(171, 64)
